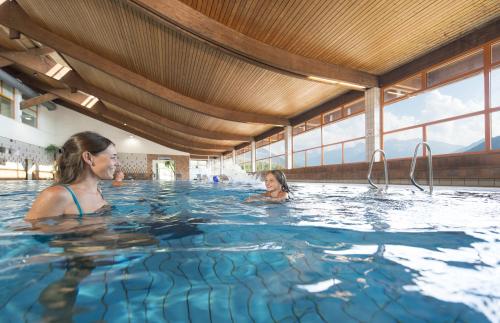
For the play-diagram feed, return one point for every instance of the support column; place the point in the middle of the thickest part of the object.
(254, 168)
(373, 126)
(234, 157)
(221, 158)
(288, 147)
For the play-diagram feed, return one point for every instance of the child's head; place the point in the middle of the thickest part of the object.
(119, 176)
(276, 181)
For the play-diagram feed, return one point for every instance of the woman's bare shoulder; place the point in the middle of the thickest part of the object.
(51, 202)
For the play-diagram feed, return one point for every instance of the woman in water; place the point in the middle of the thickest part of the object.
(86, 158)
(276, 186)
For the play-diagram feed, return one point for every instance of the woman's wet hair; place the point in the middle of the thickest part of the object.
(70, 165)
(281, 178)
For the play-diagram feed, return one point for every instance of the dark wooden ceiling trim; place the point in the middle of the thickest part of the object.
(327, 106)
(476, 38)
(73, 80)
(268, 133)
(137, 132)
(37, 100)
(243, 145)
(4, 62)
(192, 22)
(13, 16)
(77, 99)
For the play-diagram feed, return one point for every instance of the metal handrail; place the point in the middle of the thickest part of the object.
(429, 165)
(386, 174)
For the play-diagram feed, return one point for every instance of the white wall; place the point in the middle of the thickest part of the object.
(55, 127)
(69, 122)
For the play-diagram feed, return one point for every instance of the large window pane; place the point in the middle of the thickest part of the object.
(6, 107)
(454, 99)
(306, 140)
(278, 162)
(262, 152)
(332, 154)
(456, 68)
(495, 130)
(7, 91)
(262, 165)
(402, 143)
(29, 117)
(277, 148)
(299, 159)
(495, 53)
(458, 136)
(495, 88)
(354, 151)
(313, 157)
(344, 130)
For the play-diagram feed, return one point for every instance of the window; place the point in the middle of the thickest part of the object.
(402, 143)
(457, 136)
(495, 53)
(313, 157)
(454, 99)
(459, 67)
(262, 165)
(495, 88)
(346, 129)
(354, 151)
(7, 91)
(278, 162)
(29, 116)
(306, 140)
(313, 123)
(6, 108)
(299, 159)
(403, 88)
(332, 154)
(244, 158)
(495, 130)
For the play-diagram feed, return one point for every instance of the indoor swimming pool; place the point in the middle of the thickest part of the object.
(194, 252)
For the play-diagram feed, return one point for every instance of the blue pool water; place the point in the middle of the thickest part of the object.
(188, 252)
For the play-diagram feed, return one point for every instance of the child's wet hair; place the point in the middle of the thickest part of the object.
(281, 178)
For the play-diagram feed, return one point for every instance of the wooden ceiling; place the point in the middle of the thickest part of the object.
(205, 76)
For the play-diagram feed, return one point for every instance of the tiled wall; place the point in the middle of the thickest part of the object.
(18, 151)
(464, 170)
(134, 165)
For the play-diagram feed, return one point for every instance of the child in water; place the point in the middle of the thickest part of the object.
(276, 186)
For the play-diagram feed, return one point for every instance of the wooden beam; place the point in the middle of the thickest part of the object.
(476, 38)
(37, 100)
(189, 21)
(327, 106)
(72, 79)
(137, 132)
(78, 99)
(13, 16)
(4, 62)
(14, 34)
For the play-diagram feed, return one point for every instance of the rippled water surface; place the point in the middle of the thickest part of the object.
(195, 252)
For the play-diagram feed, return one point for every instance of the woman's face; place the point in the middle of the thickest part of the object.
(272, 184)
(105, 163)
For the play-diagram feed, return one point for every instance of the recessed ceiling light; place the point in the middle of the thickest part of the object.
(124, 124)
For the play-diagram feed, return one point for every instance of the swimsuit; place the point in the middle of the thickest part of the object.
(74, 199)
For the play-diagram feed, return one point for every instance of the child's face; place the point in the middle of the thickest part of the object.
(272, 183)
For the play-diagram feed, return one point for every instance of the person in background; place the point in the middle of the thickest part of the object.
(86, 158)
(119, 176)
(276, 186)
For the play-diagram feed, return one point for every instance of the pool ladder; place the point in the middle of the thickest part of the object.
(386, 174)
(429, 166)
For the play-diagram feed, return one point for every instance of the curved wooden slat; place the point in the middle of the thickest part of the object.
(192, 22)
(13, 16)
(72, 79)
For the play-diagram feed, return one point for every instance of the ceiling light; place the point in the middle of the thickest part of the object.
(320, 79)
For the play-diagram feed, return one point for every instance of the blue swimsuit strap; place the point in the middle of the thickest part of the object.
(74, 199)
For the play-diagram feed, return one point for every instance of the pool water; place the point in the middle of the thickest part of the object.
(190, 252)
